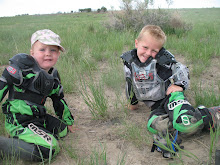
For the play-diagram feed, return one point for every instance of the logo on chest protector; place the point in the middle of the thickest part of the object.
(11, 69)
(174, 104)
(40, 133)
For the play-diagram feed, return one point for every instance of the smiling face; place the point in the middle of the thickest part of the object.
(45, 55)
(147, 46)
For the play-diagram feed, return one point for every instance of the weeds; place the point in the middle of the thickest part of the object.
(94, 97)
(208, 97)
(214, 135)
(136, 134)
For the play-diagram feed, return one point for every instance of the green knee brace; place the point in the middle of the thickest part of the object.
(186, 119)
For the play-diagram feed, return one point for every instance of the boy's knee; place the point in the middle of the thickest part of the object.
(188, 124)
(158, 123)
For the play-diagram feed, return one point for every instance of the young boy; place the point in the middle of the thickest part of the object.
(156, 78)
(30, 79)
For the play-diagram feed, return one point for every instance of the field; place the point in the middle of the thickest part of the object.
(92, 75)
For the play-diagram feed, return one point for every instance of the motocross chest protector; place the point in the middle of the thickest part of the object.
(28, 81)
(147, 84)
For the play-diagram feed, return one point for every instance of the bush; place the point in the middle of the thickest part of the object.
(130, 18)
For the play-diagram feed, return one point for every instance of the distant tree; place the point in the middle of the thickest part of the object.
(98, 10)
(85, 10)
(169, 2)
(103, 9)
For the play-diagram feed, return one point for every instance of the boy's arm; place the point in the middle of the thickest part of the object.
(3, 85)
(129, 87)
(180, 75)
(3, 88)
(60, 106)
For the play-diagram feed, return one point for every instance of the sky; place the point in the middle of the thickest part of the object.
(31, 7)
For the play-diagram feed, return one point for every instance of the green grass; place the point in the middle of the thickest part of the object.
(94, 97)
(201, 43)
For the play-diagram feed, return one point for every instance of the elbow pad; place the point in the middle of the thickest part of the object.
(180, 75)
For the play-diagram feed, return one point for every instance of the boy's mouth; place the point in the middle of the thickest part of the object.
(48, 60)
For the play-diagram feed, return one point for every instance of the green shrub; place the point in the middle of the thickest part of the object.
(135, 18)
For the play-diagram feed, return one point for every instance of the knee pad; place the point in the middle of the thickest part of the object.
(184, 117)
(158, 123)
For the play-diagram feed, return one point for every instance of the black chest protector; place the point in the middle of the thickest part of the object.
(35, 86)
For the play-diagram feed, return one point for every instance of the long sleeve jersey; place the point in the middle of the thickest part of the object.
(29, 86)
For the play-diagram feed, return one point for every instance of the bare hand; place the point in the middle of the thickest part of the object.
(132, 107)
(71, 128)
(174, 88)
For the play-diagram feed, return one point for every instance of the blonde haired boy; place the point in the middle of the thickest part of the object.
(154, 76)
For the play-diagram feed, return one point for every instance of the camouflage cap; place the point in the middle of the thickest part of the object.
(47, 37)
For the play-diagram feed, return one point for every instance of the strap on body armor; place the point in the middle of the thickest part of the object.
(164, 57)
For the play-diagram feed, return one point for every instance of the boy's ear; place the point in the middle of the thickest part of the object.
(31, 51)
(136, 43)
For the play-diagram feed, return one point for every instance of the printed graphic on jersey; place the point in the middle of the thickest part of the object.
(174, 104)
(40, 132)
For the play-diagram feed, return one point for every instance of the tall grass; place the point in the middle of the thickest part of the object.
(94, 96)
(199, 44)
(208, 97)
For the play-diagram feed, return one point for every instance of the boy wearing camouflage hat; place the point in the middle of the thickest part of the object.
(30, 79)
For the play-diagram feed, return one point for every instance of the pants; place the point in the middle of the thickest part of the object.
(176, 112)
(42, 132)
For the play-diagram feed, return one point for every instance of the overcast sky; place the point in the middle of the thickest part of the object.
(18, 7)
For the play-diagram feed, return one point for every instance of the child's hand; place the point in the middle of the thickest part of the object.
(71, 128)
(132, 107)
(174, 88)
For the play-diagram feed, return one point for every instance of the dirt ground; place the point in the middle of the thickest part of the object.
(96, 134)
(91, 134)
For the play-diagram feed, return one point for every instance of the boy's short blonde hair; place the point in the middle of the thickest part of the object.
(154, 31)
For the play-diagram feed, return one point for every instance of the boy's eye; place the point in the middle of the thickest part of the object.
(42, 49)
(55, 49)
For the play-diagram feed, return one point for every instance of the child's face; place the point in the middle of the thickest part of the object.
(147, 47)
(45, 55)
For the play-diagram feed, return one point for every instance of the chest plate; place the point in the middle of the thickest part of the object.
(146, 83)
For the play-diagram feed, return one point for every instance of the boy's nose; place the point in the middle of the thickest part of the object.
(148, 52)
(48, 52)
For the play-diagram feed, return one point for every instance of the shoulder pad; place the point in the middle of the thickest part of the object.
(17, 63)
(23, 61)
(164, 57)
(13, 75)
(127, 56)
